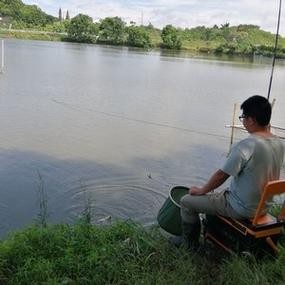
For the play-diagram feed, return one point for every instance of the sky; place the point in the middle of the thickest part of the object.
(179, 13)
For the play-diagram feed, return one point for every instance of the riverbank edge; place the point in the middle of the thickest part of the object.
(60, 37)
(122, 253)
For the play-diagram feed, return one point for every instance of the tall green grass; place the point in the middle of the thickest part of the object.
(31, 36)
(123, 253)
(83, 254)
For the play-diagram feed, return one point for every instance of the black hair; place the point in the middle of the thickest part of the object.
(258, 108)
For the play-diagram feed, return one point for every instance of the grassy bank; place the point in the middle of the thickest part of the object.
(43, 36)
(124, 253)
(256, 42)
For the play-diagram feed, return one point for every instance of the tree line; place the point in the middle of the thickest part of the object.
(226, 39)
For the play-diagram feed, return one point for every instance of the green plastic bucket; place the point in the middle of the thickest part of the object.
(169, 215)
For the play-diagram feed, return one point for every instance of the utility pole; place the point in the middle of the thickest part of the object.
(142, 18)
(2, 57)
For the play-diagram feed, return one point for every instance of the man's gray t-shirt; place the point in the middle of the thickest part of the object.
(252, 163)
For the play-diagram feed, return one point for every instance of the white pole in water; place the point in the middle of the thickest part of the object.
(233, 122)
(2, 60)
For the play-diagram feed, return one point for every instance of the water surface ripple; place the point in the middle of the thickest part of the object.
(115, 127)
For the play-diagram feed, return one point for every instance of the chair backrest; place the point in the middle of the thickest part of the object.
(272, 188)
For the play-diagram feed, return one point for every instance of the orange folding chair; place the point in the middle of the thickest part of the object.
(257, 235)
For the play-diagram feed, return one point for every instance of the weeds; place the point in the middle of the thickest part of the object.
(123, 253)
(86, 215)
(43, 202)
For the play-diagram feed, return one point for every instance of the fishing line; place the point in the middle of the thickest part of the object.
(80, 109)
(275, 50)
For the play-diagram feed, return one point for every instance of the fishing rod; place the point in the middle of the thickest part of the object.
(275, 50)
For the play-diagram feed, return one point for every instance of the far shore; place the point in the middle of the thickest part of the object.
(62, 37)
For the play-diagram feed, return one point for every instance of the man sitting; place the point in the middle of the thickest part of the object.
(251, 163)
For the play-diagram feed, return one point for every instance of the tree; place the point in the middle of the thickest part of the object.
(112, 30)
(33, 16)
(81, 29)
(150, 26)
(60, 15)
(226, 32)
(138, 37)
(25, 15)
(246, 28)
(171, 38)
(57, 27)
(67, 16)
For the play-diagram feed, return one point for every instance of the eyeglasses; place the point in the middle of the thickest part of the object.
(242, 117)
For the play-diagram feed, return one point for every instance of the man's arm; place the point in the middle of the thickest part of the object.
(216, 180)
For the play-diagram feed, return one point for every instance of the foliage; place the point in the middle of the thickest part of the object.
(138, 37)
(31, 35)
(124, 253)
(170, 37)
(81, 29)
(27, 15)
(226, 39)
(112, 30)
(203, 33)
(43, 214)
(57, 27)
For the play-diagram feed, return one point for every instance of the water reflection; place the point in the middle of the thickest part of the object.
(248, 60)
(135, 190)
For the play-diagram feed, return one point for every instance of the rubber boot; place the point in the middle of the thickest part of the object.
(191, 234)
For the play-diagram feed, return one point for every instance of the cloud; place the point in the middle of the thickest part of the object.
(180, 13)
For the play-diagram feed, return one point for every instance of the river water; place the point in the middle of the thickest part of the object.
(115, 127)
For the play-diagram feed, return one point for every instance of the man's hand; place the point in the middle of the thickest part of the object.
(195, 191)
(216, 180)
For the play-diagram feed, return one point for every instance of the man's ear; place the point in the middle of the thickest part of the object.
(251, 121)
